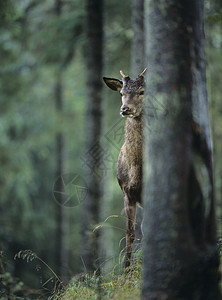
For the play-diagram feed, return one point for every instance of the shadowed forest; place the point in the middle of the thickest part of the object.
(62, 212)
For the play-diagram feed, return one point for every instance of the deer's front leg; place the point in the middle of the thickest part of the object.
(130, 211)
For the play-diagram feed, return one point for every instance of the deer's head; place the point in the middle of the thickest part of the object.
(132, 92)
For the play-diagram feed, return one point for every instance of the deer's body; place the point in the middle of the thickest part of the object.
(129, 169)
(130, 161)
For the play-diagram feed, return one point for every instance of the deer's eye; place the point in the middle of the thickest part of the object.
(142, 93)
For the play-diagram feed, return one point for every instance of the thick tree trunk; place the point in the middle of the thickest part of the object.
(180, 253)
(93, 156)
(137, 66)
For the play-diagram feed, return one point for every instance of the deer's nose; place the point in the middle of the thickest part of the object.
(124, 109)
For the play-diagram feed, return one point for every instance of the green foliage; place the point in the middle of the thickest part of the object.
(29, 122)
(10, 287)
(116, 286)
(64, 32)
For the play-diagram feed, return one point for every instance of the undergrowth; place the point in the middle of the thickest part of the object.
(115, 286)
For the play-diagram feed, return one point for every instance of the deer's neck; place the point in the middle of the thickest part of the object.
(134, 134)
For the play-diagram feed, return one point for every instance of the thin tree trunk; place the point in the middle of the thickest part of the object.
(137, 66)
(61, 215)
(62, 225)
(93, 156)
(180, 253)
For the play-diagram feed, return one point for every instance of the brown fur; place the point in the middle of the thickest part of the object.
(129, 168)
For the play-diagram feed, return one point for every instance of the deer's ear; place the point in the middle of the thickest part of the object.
(114, 84)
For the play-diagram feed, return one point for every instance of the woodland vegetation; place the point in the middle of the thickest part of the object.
(62, 219)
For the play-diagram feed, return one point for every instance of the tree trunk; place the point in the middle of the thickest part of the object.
(180, 252)
(137, 66)
(61, 215)
(93, 155)
(138, 43)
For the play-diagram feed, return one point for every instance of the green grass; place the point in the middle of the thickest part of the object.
(116, 286)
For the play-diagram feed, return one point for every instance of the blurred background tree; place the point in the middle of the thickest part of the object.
(93, 156)
(42, 58)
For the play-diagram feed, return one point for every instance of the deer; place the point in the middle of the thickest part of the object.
(130, 160)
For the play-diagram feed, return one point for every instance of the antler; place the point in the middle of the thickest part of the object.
(144, 71)
(122, 74)
(141, 74)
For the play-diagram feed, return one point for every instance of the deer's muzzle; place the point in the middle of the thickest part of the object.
(125, 111)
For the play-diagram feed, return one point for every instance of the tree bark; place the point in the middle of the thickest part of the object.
(93, 155)
(180, 252)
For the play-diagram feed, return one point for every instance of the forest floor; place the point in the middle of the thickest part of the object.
(115, 286)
